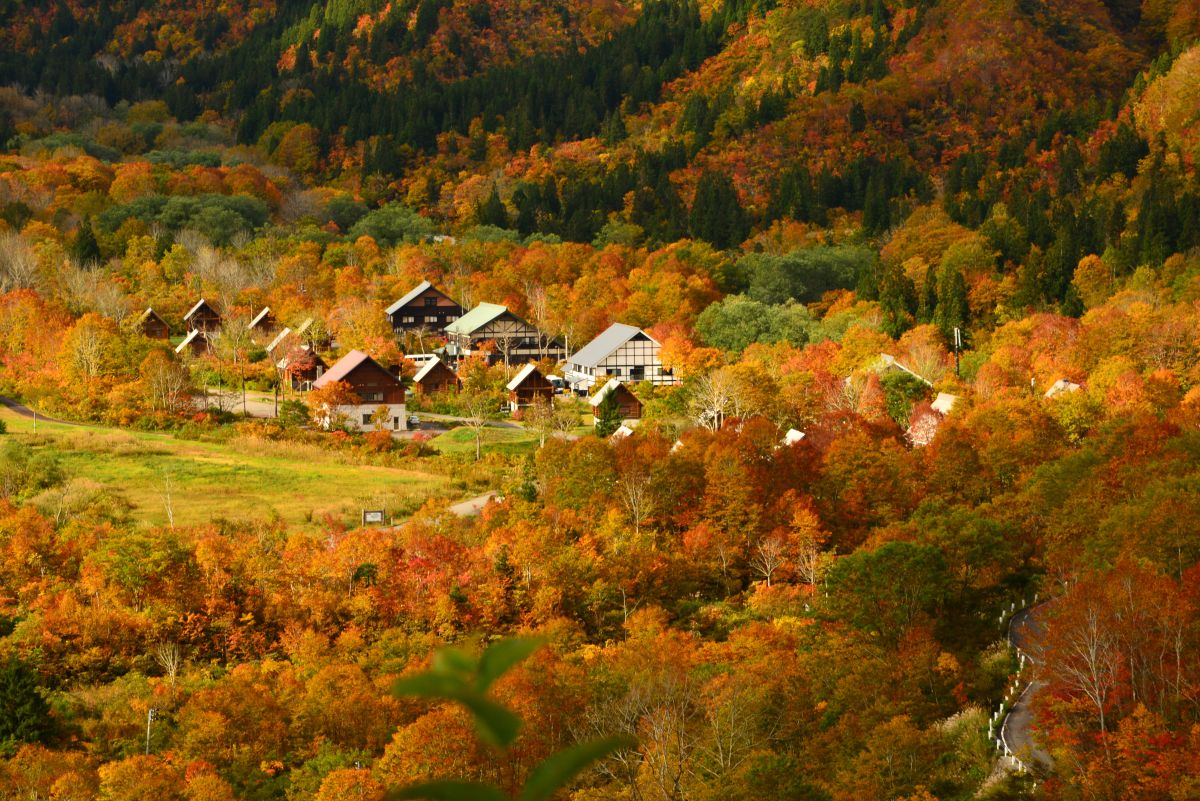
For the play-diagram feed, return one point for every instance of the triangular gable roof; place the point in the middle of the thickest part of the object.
(944, 402)
(407, 299)
(888, 360)
(603, 345)
(521, 377)
(598, 398)
(196, 308)
(278, 339)
(304, 326)
(345, 366)
(1062, 385)
(476, 318)
(295, 354)
(424, 371)
(188, 340)
(621, 433)
(149, 312)
(258, 318)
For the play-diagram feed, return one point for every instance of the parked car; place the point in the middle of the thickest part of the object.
(413, 421)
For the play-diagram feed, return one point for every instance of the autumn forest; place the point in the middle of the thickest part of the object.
(903, 502)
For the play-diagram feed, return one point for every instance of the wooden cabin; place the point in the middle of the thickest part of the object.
(153, 326)
(202, 317)
(627, 402)
(424, 307)
(263, 323)
(435, 376)
(196, 343)
(375, 387)
(302, 366)
(528, 385)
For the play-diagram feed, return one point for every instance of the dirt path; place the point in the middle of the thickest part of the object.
(1016, 731)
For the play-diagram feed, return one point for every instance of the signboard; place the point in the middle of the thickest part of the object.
(372, 517)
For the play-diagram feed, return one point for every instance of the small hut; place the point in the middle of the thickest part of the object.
(153, 326)
(528, 385)
(202, 317)
(435, 376)
(627, 402)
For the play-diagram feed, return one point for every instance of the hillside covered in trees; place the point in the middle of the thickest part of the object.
(803, 202)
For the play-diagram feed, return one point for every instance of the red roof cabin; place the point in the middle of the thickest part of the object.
(373, 385)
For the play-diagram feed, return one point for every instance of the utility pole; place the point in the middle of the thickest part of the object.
(957, 348)
(151, 716)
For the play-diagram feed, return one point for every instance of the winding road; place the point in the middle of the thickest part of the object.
(1023, 631)
(22, 410)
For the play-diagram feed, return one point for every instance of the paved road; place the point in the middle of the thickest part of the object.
(24, 411)
(1023, 632)
(473, 506)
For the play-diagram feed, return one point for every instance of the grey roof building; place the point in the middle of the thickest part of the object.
(624, 352)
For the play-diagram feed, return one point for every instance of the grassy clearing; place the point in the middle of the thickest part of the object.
(511, 441)
(235, 480)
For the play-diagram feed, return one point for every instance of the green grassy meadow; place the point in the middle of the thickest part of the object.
(238, 479)
(495, 440)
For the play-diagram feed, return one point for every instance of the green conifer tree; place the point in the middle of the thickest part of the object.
(608, 416)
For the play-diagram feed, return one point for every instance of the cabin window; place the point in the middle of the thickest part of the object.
(374, 397)
(430, 301)
(366, 419)
(408, 319)
(431, 319)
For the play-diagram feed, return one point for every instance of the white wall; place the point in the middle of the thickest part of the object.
(354, 415)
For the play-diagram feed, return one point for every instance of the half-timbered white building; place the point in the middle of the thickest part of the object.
(513, 340)
(623, 352)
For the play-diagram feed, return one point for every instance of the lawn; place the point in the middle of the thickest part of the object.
(510, 441)
(495, 440)
(234, 480)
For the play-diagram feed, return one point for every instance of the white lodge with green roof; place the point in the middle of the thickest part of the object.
(514, 340)
(623, 352)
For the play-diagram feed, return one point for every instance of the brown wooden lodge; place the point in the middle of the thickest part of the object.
(527, 386)
(153, 326)
(202, 317)
(424, 307)
(435, 376)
